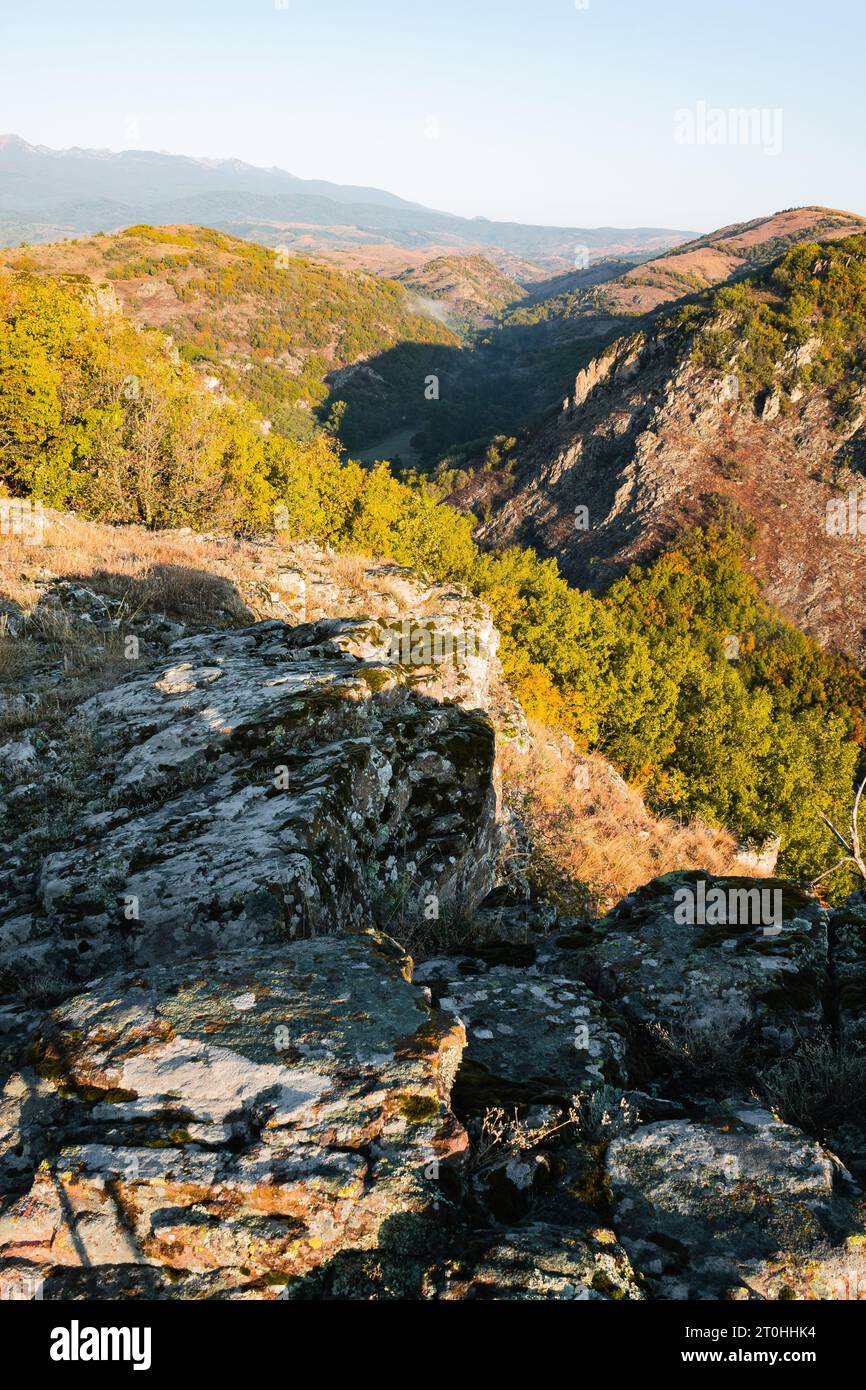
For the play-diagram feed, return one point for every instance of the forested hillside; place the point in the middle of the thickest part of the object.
(469, 291)
(523, 363)
(748, 400)
(271, 328)
(100, 416)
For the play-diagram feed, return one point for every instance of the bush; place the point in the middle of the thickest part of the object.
(819, 1087)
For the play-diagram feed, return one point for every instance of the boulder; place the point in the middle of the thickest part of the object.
(538, 1029)
(230, 1124)
(714, 984)
(539, 1261)
(745, 1207)
(17, 756)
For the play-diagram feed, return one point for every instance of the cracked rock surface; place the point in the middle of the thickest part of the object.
(743, 1208)
(742, 975)
(260, 788)
(228, 1126)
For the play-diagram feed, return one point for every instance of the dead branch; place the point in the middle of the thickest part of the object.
(853, 852)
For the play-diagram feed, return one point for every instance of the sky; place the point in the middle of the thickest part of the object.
(567, 112)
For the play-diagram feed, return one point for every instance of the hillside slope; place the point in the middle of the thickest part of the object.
(99, 416)
(271, 329)
(755, 396)
(715, 259)
(469, 291)
(297, 338)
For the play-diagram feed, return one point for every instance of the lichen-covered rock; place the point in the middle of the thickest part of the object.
(539, 1261)
(745, 1207)
(449, 656)
(767, 980)
(527, 1026)
(230, 1123)
(17, 754)
(848, 934)
(261, 789)
(252, 1099)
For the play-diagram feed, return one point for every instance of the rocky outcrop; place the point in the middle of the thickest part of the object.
(305, 1120)
(529, 1025)
(848, 934)
(537, 1261)
(267, 783)
(219, 1077)
(738, 961)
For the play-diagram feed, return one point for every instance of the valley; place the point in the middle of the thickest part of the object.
(432, 714)
(746, 403)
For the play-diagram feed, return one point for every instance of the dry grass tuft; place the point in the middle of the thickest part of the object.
(210, 580)
(593, 838)
(170, 572)
(351, 572)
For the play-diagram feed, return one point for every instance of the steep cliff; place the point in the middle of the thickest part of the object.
(705, 413)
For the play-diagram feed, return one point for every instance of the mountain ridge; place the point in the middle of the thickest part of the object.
(526, 364)
(45, 195)
(270, 332)
(750, 399)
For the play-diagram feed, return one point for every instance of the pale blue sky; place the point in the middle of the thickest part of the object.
(546, 112)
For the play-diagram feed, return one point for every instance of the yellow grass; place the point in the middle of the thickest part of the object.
(165, 571)
(593, 838)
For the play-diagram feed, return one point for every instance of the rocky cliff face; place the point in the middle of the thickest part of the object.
(221, 1077)
(648, 442)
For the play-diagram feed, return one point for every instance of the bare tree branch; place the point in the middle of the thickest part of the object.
(853, 852)
(827, 872)
(841, 838)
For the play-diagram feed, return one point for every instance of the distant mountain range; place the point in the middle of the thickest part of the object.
(49, 194)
